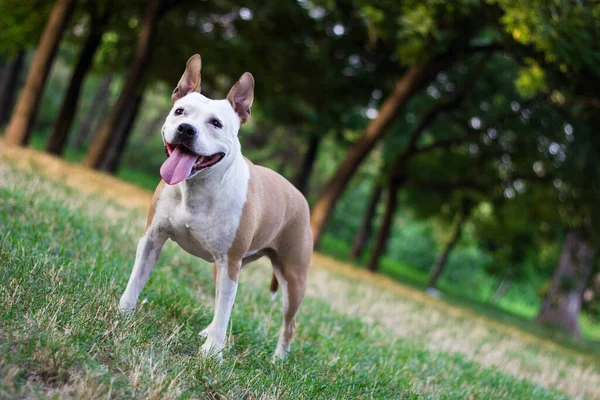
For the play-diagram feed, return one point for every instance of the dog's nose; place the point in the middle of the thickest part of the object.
(186, 130)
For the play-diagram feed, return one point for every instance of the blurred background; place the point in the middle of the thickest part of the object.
(450, 145)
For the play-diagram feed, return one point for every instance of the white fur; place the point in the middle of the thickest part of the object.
(217, 330)
(145, 259)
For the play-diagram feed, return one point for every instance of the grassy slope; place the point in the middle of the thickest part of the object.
(64, 261)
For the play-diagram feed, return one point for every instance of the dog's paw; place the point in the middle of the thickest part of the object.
(210, 349)
(204, 332)
(280, 354)
(125, 307)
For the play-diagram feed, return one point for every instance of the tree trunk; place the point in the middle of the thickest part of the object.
(8, 86)
(102, 141)
(23, 117)
(405, 88)
(562, 304)
(58, 139)
(364, 232)
(308, 163)
(386, 225)
(440, 264)
(501, 291)
(111, 162)
(97, 108)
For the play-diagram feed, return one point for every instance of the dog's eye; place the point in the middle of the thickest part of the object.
(179, 111)
(216, 123)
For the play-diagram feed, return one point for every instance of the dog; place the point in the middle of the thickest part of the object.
(219, 206)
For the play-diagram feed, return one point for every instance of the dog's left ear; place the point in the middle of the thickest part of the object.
(241, 96)
(190, 80)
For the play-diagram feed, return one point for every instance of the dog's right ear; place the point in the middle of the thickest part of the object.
(190, 80)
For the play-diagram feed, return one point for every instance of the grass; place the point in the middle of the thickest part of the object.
(515, 313)
(65, 259)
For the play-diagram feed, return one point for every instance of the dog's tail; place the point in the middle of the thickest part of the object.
(274, 286)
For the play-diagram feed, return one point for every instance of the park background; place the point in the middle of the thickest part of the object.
(448, 145)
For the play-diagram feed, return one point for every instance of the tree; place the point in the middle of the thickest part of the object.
(9, 79)
(429, 57)
(440, 264)
(364, 232)
(112, 159)
(19, 127)
(308, 161)
(97, 111)
(574, 270)
(98, 21)
(102, 142)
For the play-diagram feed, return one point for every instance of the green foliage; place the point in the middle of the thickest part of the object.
(21, 24)
(565, 32)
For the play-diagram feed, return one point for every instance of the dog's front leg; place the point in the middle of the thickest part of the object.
(226, 287)
(148, 250)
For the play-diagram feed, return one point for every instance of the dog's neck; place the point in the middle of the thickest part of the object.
(232, 175)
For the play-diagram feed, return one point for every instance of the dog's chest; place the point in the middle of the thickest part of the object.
(203, 222)
(206, 232)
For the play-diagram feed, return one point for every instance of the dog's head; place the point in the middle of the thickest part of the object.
(200, 133)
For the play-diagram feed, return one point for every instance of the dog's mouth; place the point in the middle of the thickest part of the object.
(182, 163)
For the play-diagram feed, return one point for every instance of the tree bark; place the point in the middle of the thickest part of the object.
(102, 141)
(501, 291)
(8, 86)
(112, 160)
(308, 163)
(380, 244)
(398, 178)
(562, 304)
(364, 232)
(97, 108)
(58, 139)
(405, 88)
(440, 264)
(23, 117)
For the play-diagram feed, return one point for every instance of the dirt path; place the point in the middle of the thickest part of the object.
(405, 311)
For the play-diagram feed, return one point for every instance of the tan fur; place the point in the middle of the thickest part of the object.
(155, 196)
(280, 232)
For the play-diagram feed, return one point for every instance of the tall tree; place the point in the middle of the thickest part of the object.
(19, 127)
(364, 231)
(112, 160)
(9, 80)
(426, 57)
(97, 110)
(440, 263)
(98, 21)
(562, 304)
(308, 162)
(102, 141)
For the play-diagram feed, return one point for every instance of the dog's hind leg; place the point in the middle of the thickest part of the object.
(148, 250)
(292, 282)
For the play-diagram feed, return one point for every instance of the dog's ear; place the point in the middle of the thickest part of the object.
(241, 96)
(190, 80)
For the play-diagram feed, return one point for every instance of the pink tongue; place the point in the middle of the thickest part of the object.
(178, 166)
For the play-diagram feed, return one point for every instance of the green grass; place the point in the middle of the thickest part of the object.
(518, 315)
(65, 260)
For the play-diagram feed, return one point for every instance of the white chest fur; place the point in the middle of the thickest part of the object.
(202, 214)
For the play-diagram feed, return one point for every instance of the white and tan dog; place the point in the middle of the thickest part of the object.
(220, 207)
